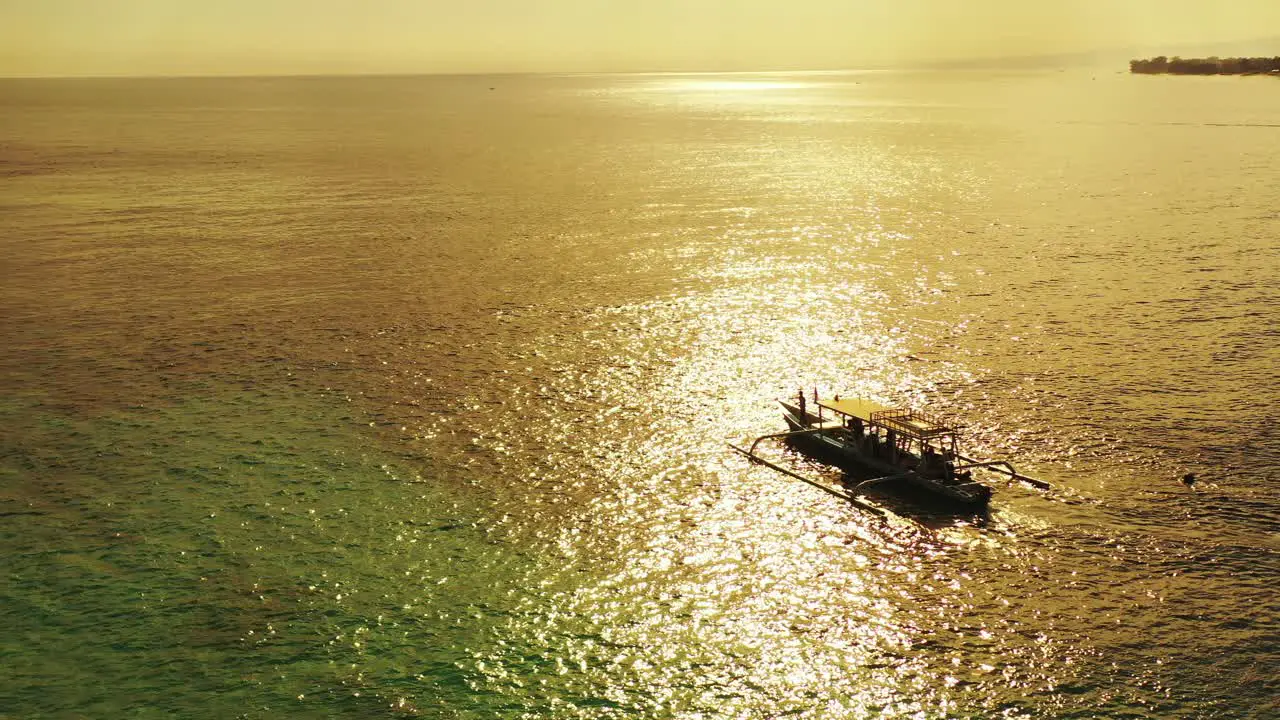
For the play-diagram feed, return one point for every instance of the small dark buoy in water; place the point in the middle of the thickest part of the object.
(1189, 479)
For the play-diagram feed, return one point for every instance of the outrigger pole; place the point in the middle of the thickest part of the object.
(825, 488)
(886, 478)
(992, 465)
(792, 433)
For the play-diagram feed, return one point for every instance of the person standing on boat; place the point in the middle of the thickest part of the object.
(855, 424)
(803, 414)
(930, 463)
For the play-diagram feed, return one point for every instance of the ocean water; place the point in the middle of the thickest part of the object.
(409, 397)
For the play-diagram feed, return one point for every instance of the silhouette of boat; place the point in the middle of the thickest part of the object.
(900, 448)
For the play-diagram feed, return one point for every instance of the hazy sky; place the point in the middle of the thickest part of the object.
(165, 37)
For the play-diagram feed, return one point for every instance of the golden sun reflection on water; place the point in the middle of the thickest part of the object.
(684, 577)
(690, 579)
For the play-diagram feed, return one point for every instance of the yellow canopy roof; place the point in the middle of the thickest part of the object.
(857, 407)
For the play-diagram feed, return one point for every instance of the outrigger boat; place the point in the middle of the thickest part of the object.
(899, 446)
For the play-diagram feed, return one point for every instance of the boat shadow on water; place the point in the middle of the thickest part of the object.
(893, 499)
(921, 507)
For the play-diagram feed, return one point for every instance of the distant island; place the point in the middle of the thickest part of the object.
(1206, 66)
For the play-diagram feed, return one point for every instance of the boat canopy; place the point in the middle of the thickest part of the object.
(904, 421)
(854, 407)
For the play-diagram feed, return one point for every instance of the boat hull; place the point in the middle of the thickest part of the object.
(837, 446)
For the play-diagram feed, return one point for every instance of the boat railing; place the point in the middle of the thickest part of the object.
(912, 421)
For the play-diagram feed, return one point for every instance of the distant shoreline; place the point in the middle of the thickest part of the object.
(1162, 65)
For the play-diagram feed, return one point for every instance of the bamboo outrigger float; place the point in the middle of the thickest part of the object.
(896, 446)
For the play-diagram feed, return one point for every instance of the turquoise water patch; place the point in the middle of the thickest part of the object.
(233, 555)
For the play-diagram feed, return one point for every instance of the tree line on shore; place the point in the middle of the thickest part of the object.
(1205, 66)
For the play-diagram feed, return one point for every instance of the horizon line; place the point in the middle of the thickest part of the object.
(968, 65)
